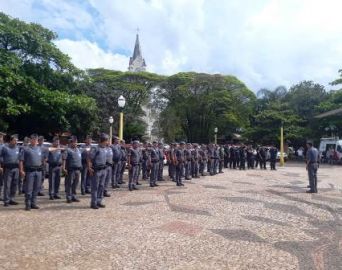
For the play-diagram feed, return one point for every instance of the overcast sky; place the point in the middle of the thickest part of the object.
(265, 43)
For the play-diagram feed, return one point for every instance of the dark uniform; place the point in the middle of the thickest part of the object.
(85, 177)
(98, 159)
(133, 163)
(203, 159)
(243, 155)
(117, 155)
(33, 161)
(55, 163)
(273, 157)
(9, 156)
(312, 158)
(262, 158)
(179, 165)
(161, 162)
(123, 164)
(187, 163)
(1, 175)
(73, 165)
(221, 159)
(154, 163)
(109, 170)
(45, 153)
(144, 165)
(194, 162)
(232, 157)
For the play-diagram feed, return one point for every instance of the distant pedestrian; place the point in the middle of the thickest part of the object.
(312, 167)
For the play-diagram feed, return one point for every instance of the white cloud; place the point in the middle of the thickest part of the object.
(85, 54)
(265, 43)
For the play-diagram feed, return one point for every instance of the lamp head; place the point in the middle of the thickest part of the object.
(111, 120)
(121, 101)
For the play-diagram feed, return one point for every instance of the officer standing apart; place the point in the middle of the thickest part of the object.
(55, 167)
(72, 166)
(133, 166)
(9, 156)
(31, 162)
(97, 169)
(312, 167)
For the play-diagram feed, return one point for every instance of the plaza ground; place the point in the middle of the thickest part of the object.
(249, 219)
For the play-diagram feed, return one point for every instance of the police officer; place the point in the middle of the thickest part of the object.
(187, 161)
(97, 167)
(45, 153)
(109, 169)
(250, 158)
(232, 157)
(154, 164)
(55, 163)
(180, 163)
(123, 162)
(144, 164)
(172, 161)
(221, 158)
(194, 161)
(161, 161)
(72, 166)
(312, 158)
(273, 157)
(202, 160)
(243, 155)
(9, 156)
(31, 162)
(133, 166)
(262, 158)
(21, 184)
(117, 155)
(85, 177)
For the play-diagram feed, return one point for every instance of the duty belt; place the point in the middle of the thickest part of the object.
(11, 166)
(53, 165)
(33, 169)
(99, 168)
(109, 164)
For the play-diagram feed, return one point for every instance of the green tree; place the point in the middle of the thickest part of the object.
(35, 83)
(197, 103)
(105, 86)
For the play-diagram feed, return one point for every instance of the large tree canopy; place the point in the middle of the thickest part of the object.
(196, 103)
(105, 86)
(35, 83)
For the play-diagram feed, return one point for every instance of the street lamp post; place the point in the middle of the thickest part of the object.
(111, 121)
(215, 131)
(121, 103)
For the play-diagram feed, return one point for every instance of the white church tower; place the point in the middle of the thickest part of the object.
(137, 62)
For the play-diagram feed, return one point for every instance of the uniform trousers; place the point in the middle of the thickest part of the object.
(11, 178)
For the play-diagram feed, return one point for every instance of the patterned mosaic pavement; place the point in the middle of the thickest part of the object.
(236, 220)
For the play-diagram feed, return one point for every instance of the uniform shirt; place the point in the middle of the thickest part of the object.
(109, 156)
(273, 153)
(187, 154)
(154, 155)
(45, 151)
(9, 155)
(55, 158)
(312, 155)
(73, 157)
(180, 155)
(161, 154)
(145, 155)
(85, 151)
(195, 154)
(98, 156)
(117, 154)
(31, 156)
(134, 155)
(123, 154)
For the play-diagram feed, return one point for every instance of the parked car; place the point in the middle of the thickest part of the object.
(284, 155)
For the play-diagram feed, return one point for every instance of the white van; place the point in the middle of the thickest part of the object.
(334, 143)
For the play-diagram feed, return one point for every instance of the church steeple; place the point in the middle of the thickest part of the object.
(137, 62)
